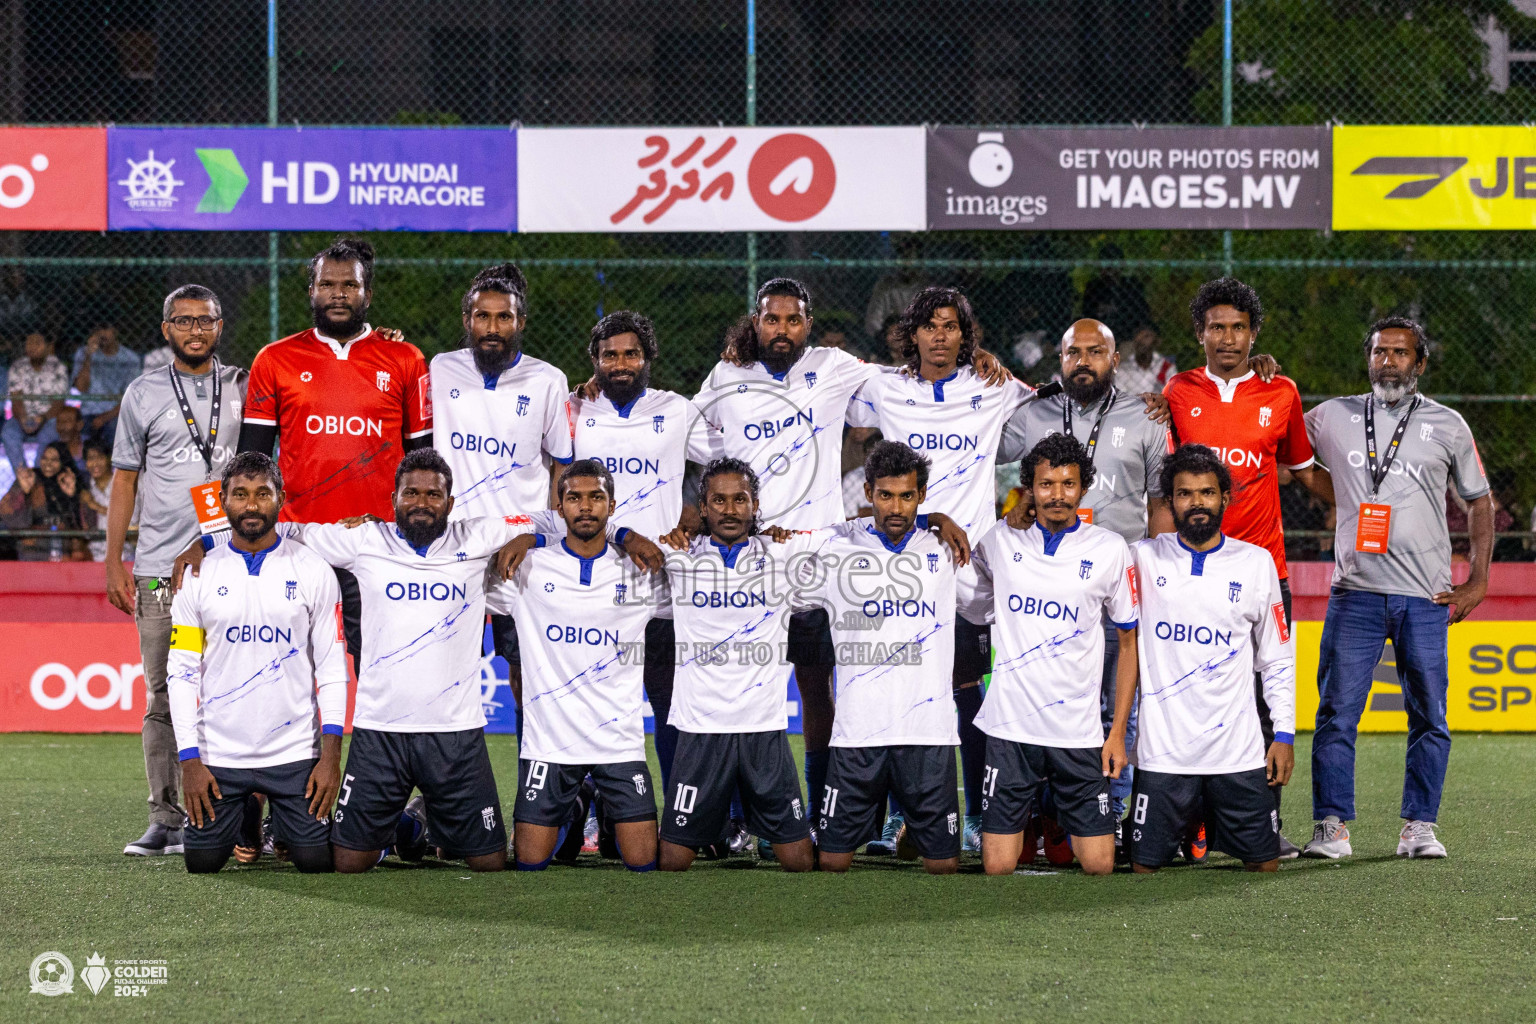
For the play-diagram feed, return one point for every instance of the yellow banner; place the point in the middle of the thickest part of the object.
(1493, 680)
(1420, 177)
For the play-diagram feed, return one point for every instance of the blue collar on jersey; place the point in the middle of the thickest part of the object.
(921, 523)
(1053, 540)
(491, 379)
(1197, 558)
(938, 385)
(776, 376)
(728, 554)
(253, 559)
(586, 563)
(628, 407)
(422, 551)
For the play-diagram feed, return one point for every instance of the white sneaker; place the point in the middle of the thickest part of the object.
(1330, 839)
(1418, 840)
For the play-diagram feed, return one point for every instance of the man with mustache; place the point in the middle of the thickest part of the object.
(346, 401)
(159, 454)
(1392, 453)
(1212, 615)
(261, 617)
(646, 438)
(1253, 424)
(582, 617)
(1125, 444)
(502, 421)
(1051, 588)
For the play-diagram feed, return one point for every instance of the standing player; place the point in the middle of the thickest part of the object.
(1051, 589)
(581, 618)
(1125, 445)
(889, 590)
(645, 438)
(940, 405)
(254, 656)
(1253, 425)
(345, 401)
(1214, 616)
(501, 419)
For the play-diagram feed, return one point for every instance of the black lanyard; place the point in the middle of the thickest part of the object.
(1093, 435)
(1380, 474)
(204, 448)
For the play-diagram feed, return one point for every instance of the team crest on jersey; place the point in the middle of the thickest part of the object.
(488, 818)
(460, 556)
(658, 423)
(1234, 591)
(810, 380)
(953, 821)
(1426, 431)
(1117, 437)
(975, 401)
(639, 780)
(1103, 803)
(933, 562)
(517, 520)
(522, 405)
(1084, 568)
(620, 591)
(290, 588)
(382, 380)
(1265, 412)
(794, 808)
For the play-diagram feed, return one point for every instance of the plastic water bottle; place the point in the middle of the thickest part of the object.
(55, 545)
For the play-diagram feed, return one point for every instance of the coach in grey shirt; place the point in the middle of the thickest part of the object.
(1126, 446)
(159, 453)
(1392, 454)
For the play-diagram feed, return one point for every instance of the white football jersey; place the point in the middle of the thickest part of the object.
(499, 435)
(423, 617)
(956, 422)
(581, 629)
(256, 651)
(892, 608)
(1048, 596)
(789, 427)
(731, 607)
(1209, 620)
(647, 446)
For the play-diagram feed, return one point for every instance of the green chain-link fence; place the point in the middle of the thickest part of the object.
(972, 62)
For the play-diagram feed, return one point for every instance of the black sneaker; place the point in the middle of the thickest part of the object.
(1122, 852)
(575, 834)
(411, 831)
(248, 847)
(156, 840)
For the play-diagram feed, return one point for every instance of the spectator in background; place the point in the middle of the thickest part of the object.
(837, 331)
(893, 342)
(70, 425)
(96, 498)
(159, 359)
(1117, 301)
(18, 311)
(46, 498)
(39, 372)
(102, 366)
(855, 502)
(1146, 369)
(894, 292)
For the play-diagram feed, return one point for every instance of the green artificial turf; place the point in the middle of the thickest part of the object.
(1373, 938)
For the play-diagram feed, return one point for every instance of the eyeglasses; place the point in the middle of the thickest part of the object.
(186, 323)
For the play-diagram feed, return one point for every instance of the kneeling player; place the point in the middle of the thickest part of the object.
(1214, 616)
(1050, 588)
(254, 654)
(581, 617)
(889, 589)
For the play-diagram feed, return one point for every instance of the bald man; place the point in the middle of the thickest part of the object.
(1126, 445)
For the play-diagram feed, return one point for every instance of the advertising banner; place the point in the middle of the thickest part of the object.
(720, 179)
(53, 179)
(1434, 177)
(312, 179)
(1128, 178)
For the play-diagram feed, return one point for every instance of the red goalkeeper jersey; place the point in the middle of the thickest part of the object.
(342, 413)
(1252, 426)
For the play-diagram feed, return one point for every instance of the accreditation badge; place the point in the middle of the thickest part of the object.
(1372, 527)
(210, 511)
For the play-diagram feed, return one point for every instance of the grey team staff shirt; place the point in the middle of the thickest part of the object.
(1127, 462)
(153, 440)
(1437, 448)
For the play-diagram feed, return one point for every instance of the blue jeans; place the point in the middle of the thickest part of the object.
(1119, 789)
(14, 437)
(1357, 627)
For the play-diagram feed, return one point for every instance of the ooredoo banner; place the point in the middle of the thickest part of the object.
(720, 179)
(330, 179)
(1128, 178)
(53, 179)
